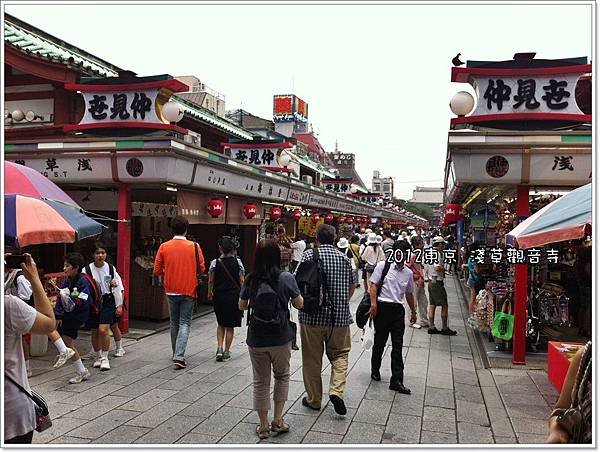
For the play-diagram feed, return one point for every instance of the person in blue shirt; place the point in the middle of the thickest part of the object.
(72, 311)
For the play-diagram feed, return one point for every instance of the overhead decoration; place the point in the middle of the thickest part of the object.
(249, 210)
(215, 208)
(275, 213)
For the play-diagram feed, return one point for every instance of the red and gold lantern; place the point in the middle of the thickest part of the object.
(349, 220)
(341, 219)
(215, 208)
(275, 213)
(249, 210)
(328, 217)
(314, 218)
(296, 214)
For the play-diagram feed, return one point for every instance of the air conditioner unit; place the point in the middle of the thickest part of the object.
(307, 180)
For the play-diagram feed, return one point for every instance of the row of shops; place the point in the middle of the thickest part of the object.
(502, 167)
(134, 152)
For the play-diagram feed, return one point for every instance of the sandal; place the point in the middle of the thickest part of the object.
(263, 432)
(281, 427)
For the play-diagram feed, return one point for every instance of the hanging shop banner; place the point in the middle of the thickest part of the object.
(262, 157)
(499, 169)
(542, 93)
(323, 202)
(120, 104)
(71, 169)
(337, 185)
(150, 209)
(561, 168)
(298, 197)
(193, 206)
(307, 227)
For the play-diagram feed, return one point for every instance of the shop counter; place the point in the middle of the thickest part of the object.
(560, 355)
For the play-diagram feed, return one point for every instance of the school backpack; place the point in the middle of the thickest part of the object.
(96, 301)
(265, 317)
(311, 280)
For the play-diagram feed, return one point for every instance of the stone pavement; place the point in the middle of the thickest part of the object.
(143, 400)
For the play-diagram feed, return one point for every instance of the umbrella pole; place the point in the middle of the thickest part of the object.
(521, 282)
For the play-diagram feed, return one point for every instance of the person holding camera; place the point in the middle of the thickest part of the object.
(388, 312)
(19, 319)
(225, 279)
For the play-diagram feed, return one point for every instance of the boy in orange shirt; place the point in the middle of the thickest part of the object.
(177, 260)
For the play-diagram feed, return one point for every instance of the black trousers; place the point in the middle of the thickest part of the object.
(389, 321)
(23, 439)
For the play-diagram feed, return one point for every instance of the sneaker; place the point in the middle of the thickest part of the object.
(91, 355)
(63, 357)
(97, 363)
(433, 330)
(79, 377)
(219, 356)
(104, 364)
(416, 326)
(226, 356)
(448, 332)
(120, 352)
(180, 363)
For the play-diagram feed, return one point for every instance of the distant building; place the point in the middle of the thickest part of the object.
(432, 196)
(202, 95)
(382, 185)
(343, 164)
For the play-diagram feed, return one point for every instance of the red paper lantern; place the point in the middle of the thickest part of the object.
(349, 220)
(296, 214)
(249, 210)
(215, 208)
(328, 217)
(341, 219)
(314, 218)
(275, 213)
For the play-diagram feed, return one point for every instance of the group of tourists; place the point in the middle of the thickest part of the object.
(90, 296)
(270, 292)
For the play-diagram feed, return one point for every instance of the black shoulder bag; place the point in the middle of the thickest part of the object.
(362, 311)
(42, 414)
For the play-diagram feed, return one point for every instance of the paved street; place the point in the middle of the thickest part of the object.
(142, 399)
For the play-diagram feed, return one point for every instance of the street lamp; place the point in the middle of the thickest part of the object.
(462, 103)
(284, 158)
(172, 111)
(353, 190)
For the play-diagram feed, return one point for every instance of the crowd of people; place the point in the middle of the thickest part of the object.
(318, 279)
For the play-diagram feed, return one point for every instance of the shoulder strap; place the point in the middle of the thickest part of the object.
(111, 270)
(196, 246)
(88, 270)
(386, 269)
(237, 283)
(21, 388)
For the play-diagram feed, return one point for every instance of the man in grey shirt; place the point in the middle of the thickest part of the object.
(388, 241)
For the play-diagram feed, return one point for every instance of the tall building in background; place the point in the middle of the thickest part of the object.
(382, 185)
(290, 114)
(432, 196)
(202, 95)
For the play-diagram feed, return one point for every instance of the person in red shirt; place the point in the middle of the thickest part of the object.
(177, 260)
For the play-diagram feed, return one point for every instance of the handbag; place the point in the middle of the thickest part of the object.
(42, 414)
(199, 276)
(504, 322)
(368, 337)
(362, 311)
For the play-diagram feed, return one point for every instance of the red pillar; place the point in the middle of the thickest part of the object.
(521, 285)
(124, 248)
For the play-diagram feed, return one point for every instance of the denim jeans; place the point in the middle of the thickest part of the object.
(180, 311)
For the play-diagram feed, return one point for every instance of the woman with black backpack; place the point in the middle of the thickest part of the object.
(266, 294)
(225, 278)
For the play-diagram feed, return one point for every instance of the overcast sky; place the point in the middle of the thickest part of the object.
(376, 78)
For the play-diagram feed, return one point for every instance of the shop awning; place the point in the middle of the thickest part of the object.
(564, 219)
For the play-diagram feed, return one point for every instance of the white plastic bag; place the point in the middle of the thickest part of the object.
(67, 302)
(368, 336)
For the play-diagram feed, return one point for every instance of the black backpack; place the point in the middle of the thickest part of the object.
(311, 281)
(265, 317)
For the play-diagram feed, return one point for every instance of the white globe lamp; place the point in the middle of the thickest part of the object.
(18, 115)
(284, 159)
(462, 103)
(172, 111)
(353, 190)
